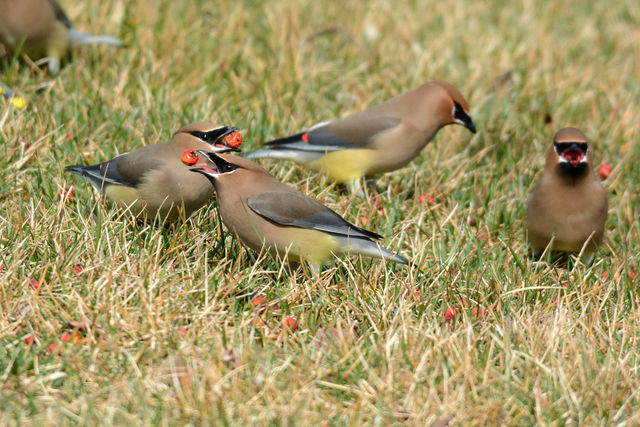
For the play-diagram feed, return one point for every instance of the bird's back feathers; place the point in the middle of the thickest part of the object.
(291, 208)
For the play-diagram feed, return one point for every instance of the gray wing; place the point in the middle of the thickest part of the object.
(355, 131)
(294, 209)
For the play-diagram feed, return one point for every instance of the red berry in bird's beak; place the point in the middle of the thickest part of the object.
(234, 139)
(190, 157)
(573, 156)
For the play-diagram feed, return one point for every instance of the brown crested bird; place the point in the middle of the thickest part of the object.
(265, 213)
(155, 180)
(380, 139)
(568, 205)
(41, 29)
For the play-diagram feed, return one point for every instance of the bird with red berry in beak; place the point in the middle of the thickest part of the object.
(568, 207)
(155, 179)
(266, 214)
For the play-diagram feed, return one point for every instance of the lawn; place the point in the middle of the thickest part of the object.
(139, 323)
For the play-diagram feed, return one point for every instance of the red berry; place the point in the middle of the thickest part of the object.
(190, 157)
(183, 331)
(66, 337)
(426, 197)
(30, 338)
(258, 301)
(52, 347)
(604, 170)
(450, 314)
(479, 312)
(66, 193)
(34, 284)
(291, 323)
(234, 139)
(77, 268)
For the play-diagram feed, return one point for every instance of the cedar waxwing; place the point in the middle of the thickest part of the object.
(377, 140)
(568, 204)
(265, 213)
(154, 179)
(41, 29)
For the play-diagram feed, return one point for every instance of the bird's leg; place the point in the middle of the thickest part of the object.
(53, 65)
(535, 254)
(315, 269)
(370, 187)
(587, 258)
(355, 187)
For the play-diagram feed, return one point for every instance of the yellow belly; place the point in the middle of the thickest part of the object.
(294, 244)
(312, 245)
(126, 197)
(345, 166)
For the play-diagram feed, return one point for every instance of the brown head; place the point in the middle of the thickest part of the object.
(451, 107)
(228, 168)
(220, 138)
(569, 155)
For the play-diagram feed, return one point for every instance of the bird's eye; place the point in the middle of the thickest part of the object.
(228, 168)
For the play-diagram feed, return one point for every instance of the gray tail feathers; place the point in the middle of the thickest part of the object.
(78, 37)
(259, 154)
(284, 154)
(357, 245)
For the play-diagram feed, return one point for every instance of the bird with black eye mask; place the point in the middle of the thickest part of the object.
(155, 180)
(377, 140)
(266, 214)
(568, 206)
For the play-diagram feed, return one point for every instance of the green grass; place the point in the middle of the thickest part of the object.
(368, 349)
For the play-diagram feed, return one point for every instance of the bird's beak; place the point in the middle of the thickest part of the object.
(205, 170)
(221, 148)
(469, 125)
(462, 118)
(229, 140)
(572, 153)
(213, 158)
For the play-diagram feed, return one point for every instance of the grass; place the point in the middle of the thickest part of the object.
(169, 333)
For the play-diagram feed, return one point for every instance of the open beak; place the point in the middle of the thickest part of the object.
(221, 148)
(572, 154)
(229, 140)
(205, 170)
(213, 158)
